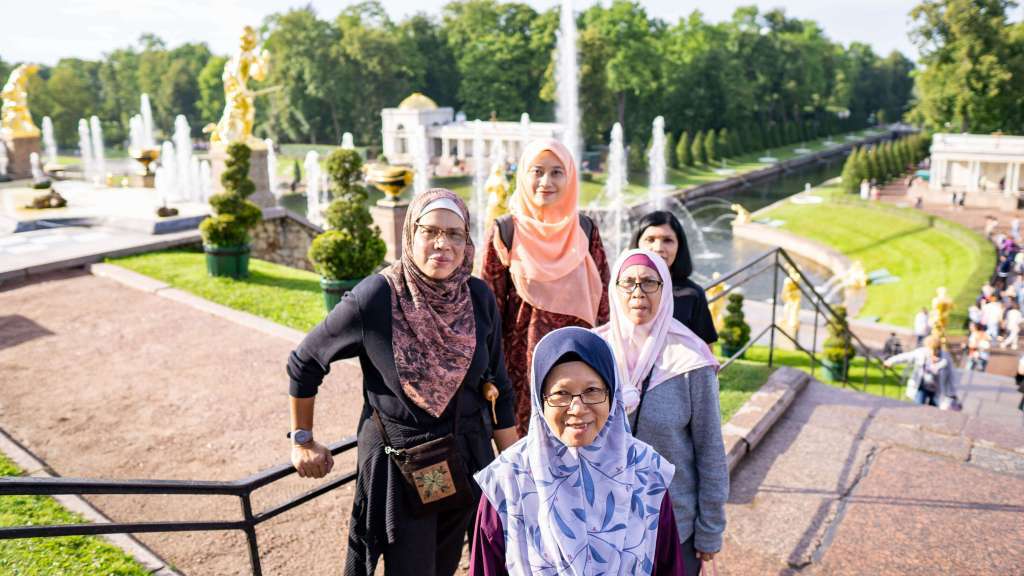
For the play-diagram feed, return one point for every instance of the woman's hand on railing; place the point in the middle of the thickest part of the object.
(312, 460)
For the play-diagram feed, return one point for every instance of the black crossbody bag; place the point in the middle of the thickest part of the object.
(436, 478)
(643, 392)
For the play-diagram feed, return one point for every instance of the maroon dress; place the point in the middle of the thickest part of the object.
(487, 557)
(522, 325)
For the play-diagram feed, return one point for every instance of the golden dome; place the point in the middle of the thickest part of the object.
(417, 101)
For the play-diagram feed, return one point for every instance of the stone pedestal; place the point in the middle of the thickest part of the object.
(18, 152)
(389, 216)
(258, 173)
(142, 181)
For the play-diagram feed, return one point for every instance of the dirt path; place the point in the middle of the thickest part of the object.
(105, 381)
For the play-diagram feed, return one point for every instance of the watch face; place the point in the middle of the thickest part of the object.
(302, 436)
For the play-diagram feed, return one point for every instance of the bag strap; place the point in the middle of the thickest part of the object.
(389, 449)
(507, 229)
(643, 393)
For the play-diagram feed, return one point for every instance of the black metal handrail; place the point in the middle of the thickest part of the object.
(243, 489)
(769, 261)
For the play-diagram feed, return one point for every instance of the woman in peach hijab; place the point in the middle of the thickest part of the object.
(544, 261)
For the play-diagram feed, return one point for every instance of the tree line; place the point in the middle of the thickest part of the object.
(757, 69)
(880, 163)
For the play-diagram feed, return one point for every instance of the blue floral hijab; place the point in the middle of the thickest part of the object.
(587, 510)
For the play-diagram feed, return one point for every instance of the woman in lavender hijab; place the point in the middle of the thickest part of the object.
(579, 494)
(670, 391)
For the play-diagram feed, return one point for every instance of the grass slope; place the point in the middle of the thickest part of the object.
(924, 252)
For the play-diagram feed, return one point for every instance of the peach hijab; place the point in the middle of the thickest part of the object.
(549, 260)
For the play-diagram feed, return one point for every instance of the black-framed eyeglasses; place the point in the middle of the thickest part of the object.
(433, 234)
(589, 396)
(646, 286)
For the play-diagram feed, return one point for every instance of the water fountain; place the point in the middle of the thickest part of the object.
(4, 162)
(479, 202)
(566, 71)
(168, 177)
(768, 158)
(656, 161)
(275, 188)
(524, 129)
(36, 167)
(724, 170)
(615, 187)
(99, 159)
(148, 136)
(85, 150)
(49, 143)
(420, 161)
(346, 141)
(186, 186)
(205, 180)
(312, 166)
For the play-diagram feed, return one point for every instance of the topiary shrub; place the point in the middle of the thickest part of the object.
(351, 247)
(735, 331)
(838, 349)
(233, 215)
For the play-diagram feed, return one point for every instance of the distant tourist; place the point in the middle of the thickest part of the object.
(921, 327)
(931, 377)
(1012, 325)
(992, 314)
(1015, 229)
(1020, 381)
(991, 223)
(978, 348)
(892, 345)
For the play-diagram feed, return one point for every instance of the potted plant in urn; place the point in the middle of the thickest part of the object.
(226, 233)
(838, 350)
(735, 330)
(351, 248)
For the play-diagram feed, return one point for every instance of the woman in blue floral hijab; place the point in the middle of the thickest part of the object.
(579, 494)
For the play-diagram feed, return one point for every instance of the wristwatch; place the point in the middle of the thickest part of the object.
(300, 436)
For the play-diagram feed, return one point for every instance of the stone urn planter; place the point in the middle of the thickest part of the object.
(334, 290)
(835, 371)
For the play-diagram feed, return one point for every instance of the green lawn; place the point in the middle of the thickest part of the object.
(923, 251)
(872, 380)
(737, 384)
(64, 556)
(288, 296)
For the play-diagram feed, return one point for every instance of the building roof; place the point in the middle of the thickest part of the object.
(417, 101)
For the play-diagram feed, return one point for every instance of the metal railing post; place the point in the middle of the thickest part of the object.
(814, 341)
(775, 292)
(250, 535)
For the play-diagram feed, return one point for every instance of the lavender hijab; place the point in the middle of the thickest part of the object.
(663, 347)
(587, 510)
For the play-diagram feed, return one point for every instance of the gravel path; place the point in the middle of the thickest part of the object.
(104, 381)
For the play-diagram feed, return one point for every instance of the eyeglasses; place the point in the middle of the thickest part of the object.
(564, 399)
(433, 234)
(646, 286)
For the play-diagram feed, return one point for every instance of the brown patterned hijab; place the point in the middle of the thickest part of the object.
(433, 330)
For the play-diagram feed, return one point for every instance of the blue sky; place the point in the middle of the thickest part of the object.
(46, 30)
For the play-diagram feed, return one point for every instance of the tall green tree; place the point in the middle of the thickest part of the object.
(710, 147)
(697, 149)
(211, 90)
(684, 156)
(972, 75)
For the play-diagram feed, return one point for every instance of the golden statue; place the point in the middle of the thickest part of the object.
(942, 305)
(16, 121)
(239, 111)
(718, 306)
(496, 187)
(791, 305)
(855, 277)
(742, 215)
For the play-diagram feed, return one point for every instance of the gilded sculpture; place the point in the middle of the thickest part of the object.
(742, 215)
(942, 305)
(496, 188)
(718, 306)
(239, 110)
(15, 119)
(791, 296)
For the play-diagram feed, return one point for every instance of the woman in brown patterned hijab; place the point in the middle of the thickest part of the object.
(432, 327)
(428, 338)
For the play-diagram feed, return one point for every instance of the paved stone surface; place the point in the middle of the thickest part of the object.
(105, 381)
(848, 483)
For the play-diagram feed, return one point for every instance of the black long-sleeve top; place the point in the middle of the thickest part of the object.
(691, 309)
(360, 326)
